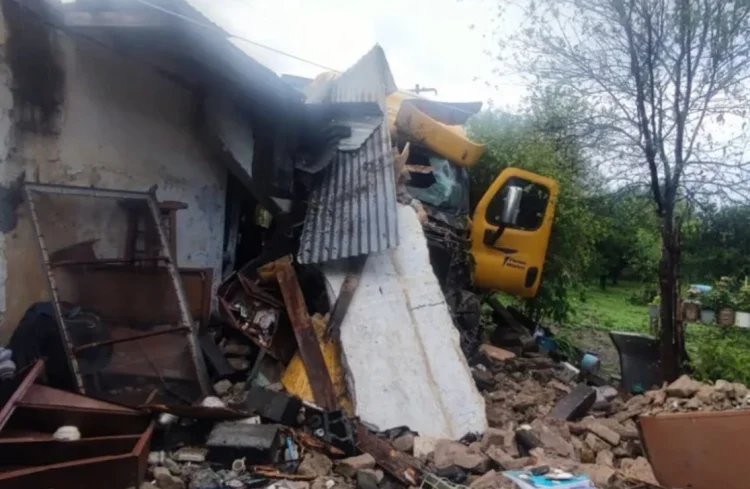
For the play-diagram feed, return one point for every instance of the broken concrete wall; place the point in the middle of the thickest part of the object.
(400, 349)
(119, 124)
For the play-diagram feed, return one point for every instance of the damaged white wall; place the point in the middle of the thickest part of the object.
(121, 125)
(401, 351)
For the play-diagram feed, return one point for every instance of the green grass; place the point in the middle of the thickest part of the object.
(716, 353)
(610, 310)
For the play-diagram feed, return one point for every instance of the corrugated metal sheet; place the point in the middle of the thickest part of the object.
(352, 211)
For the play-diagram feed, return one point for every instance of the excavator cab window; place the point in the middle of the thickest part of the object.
(520, 204)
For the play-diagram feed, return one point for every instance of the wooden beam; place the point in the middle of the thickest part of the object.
(307, 341)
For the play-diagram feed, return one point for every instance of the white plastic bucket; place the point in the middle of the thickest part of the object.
(742, 319)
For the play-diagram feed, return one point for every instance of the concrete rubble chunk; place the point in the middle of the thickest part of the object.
(707, 394)
(424, 446)
(724, 387)
(366, 480)
(576, 404)
(605, 457)
(348, 467)
(258, 443)
(638, 402)
(378, 474)
(557, 385)
(693, 404)
(449, 453)
(740, 391)
(504, 438)
(595, 443)
(505, 461)
(604, 396)
(552, 438)
(165, 480)
(602, 431)
(315, 464)
(405, 443)
(492, 480)
(498, 414)
(600, 475)
(190, 454)
(627, 430)
(683, 387)
(657, 397)
(495, 353)
(639, 470)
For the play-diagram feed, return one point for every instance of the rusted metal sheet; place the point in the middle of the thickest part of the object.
(142, 335)
(21, 386)
(352, 211)
(112, 452)
(307, 341)
(403, 467)
(147, 296)
(109, 471)
(38, 395)
(702, 450)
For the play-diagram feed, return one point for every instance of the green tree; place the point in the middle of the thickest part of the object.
(537, 141)
(628, 237)
(654, 73)
(716, 243)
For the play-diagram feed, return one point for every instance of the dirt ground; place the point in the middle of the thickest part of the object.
(595, 341)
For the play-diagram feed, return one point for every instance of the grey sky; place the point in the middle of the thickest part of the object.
(429, 42)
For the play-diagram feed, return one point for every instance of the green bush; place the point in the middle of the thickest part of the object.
(720, 353)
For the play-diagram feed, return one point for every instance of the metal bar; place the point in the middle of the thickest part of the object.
(20, 391)
(185, 319)
(44, 188)
(68, 263)
(136, 337)
(307, 340)
(52, 283)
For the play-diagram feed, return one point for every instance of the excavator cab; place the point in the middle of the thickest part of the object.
(511, 230)
(512, 222)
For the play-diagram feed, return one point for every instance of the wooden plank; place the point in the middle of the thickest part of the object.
(403, 467)
(307, 341)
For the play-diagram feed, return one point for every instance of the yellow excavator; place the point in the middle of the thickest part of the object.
(502, 245)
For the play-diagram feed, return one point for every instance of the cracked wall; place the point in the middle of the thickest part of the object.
(118, 124)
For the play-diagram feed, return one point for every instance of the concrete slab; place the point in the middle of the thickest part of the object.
(400, 349)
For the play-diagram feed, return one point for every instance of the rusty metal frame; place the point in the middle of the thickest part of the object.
(116, 468)
(150, 199)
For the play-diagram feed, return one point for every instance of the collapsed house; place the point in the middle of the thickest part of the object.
(154, 172)
(211, 278)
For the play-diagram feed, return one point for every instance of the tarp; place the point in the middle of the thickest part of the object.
(400, 350)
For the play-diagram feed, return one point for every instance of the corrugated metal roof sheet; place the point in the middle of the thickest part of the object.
(352, 211)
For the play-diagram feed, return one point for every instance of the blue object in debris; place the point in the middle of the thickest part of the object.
(526, 480)
(590, 363)
(701, 288)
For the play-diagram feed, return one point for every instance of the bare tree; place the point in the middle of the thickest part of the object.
(666, 82)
